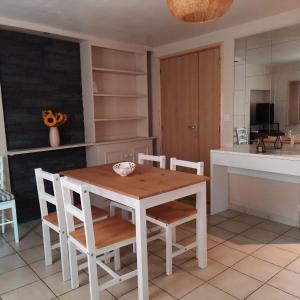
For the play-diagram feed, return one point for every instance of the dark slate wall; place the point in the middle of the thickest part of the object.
(23, 179)
(36, 73)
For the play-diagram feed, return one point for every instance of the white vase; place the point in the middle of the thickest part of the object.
(54, 138)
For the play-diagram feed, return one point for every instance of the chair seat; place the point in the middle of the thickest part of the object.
(96, 214)
(6, 196)
(107, 232)
(171, 212)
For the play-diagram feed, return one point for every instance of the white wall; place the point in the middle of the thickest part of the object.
(226, 38)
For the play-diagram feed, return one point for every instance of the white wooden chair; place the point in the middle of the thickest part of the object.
(56, 220)
(94, 239)
(7, 201)
(173, 214)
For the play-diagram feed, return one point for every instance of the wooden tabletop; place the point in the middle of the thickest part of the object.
(144, 182)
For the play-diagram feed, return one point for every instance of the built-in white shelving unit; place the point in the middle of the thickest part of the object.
(114, 83)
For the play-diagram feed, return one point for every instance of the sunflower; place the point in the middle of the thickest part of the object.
(59, 118)
(65, 119)
(50, 120)
(46, 112)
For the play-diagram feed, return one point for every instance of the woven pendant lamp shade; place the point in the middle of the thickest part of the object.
(198, 11)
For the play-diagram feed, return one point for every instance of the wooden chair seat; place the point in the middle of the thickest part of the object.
(96, 214)
(171, 212)
(107, 232)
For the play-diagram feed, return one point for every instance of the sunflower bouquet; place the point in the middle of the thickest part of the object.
(52, 119)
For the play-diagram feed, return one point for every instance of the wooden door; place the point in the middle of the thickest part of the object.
(209, 104)
(179, 107)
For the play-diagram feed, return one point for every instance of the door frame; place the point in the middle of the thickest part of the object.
(190, 51)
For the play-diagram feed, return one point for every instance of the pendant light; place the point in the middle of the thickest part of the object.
(198, 11)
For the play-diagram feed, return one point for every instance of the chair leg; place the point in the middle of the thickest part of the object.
(93, 278)
(117, 259)
(112, 210)
(2, 220)
(15, 221)
(64, 256)
(169, 233)
(174, 235)
(133, 222)
(47, 244)
(73, 266)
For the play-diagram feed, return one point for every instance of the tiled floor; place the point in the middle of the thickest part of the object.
(248, 258)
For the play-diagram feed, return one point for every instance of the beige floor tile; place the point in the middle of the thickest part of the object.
(243, 244)
(37, 253)
(6, 249)
(44, 271)
(182, 234)
(211, 244)
(11, 262)
(128, 258)
(178, 284)
(121, 288)
(233, 226)
(236, 283)
(156, 245)
(155, 293)
(84, 293)
(229, 213)
(59, 287)
(34, 291)
(178, 260)
(16, 279)
(215, 219)
(287, 243)
(30, 240)
(260, 235)
(189, 226)
(287, 281)
(275, 255)
(294, 233)
(294, 266)
(274, 227)
(209, 292)
(225, 255)
(256, 268)
(156, 267)
(9, 233)
(248, 219)
(218, 234)
(267, 292)
(213, 269)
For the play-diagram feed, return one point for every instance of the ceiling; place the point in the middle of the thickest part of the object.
(145, 22)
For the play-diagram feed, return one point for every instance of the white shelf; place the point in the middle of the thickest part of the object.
(43, 149)
(119, 71)
(120, 119)
(119, 95)
(124, 140)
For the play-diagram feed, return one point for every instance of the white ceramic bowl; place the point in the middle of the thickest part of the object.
(124, 168)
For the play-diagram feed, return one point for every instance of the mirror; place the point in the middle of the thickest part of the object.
(267, 83)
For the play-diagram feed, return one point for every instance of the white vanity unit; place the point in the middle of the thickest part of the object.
(279, 165)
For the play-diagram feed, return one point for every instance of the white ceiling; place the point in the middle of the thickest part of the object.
(145, 22)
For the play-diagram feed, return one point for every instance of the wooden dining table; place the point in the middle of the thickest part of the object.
(147, 187)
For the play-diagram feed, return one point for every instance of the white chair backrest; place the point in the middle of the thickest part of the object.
(199, 166)
(84, 214)
(153, 158)
(1, 173)
(55, 199)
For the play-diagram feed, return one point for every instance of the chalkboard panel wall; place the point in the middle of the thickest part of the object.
(36, 73)
(39, 72)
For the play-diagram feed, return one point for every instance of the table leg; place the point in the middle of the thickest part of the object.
(141, 253)
(201, 229)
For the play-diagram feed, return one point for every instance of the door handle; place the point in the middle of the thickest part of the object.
(193, 126)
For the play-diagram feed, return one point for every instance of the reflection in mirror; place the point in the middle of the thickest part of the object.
(267, 84)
